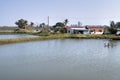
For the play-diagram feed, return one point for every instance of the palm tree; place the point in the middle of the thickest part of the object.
(66, 22)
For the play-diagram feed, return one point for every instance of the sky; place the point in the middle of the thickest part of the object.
(88, 12)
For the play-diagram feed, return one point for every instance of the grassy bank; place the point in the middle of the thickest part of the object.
(60, 36)
(7, 41)
(94, 36)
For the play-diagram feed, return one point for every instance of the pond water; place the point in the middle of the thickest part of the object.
(69, 59)
(13, 36)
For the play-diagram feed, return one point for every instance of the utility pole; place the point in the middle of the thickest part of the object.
(48, 21)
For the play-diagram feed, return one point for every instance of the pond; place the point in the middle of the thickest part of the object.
(67, 59)
(13, 36)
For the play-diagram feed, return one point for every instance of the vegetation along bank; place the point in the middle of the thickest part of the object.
(60, 36)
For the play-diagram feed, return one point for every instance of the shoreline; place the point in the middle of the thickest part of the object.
(59, 36)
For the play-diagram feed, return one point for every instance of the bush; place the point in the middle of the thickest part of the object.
(63, 30)
(113, 30)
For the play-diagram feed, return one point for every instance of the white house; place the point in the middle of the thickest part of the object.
(95, 29)
(77, 30)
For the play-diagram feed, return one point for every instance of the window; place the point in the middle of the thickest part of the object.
(100, 30)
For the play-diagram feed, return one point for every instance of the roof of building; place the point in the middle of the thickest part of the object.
(68, 27)
(79, 28)
(94, 26)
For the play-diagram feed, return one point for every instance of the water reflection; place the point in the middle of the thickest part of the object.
(110, 43)
(12, 36)
(68, 59)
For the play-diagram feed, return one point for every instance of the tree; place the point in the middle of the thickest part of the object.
(22, 23)
(42, 25)
(63, 30)
(31, 24)
(118, 24)
(112, 28)
(66, 22)
(60, 24)
(112, 24)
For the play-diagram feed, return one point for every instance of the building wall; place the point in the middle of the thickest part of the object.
(96, 30)
(73, 31)
(86, 32)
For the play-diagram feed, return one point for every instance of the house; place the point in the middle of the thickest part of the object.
(77, 30)
(85, 29)
(96, 29)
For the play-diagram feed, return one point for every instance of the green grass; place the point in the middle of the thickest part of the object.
(60, 36)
